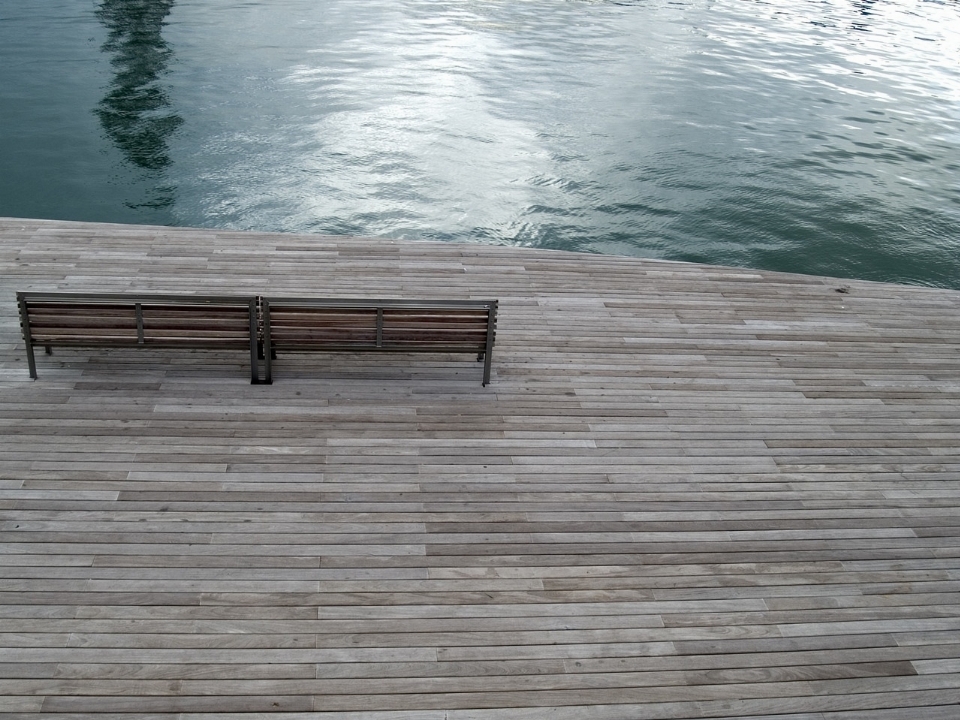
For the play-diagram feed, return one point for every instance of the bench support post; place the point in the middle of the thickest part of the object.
(254, 345)
(27, 339)
(138, 309)
(488, 352)
(267, 348)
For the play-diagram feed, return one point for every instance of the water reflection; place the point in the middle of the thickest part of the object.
(866, 10)
(135, 113)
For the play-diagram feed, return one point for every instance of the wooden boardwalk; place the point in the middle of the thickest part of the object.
(688, 492)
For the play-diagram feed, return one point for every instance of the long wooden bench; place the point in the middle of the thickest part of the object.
(122, 320)
(261, 325)
(362, 325)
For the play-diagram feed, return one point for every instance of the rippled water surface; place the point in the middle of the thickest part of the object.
(817, 136)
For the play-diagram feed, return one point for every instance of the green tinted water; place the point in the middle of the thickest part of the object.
(811, 136)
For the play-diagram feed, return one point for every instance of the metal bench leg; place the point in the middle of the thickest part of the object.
(269, 355)
(254, 365)
(254, 345)
(268, 358)
(27, 338)
(487, 353)
(31, 361)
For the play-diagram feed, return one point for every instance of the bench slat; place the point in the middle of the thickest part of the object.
(64, 308)
(85, 340)
(87, 324)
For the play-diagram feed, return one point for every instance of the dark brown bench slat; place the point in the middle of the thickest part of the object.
(292, 341)
(194, 318)
(315, 324)
(63, 339)
(282, 337)
(79, 308)
(331, 319)
(198, 338)
(429, 334)
(420, 313)
(87, 325)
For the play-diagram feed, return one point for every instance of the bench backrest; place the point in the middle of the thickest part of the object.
(58, 319)
(318, 324)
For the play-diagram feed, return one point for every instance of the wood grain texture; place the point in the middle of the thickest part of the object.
(688, 492)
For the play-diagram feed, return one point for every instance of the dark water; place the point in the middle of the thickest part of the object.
(817, 136)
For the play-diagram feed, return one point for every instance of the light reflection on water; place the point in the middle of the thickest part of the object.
(808, 136)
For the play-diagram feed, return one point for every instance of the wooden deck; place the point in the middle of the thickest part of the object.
(688, 492)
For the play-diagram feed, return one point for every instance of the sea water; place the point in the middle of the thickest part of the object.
(815, 136)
